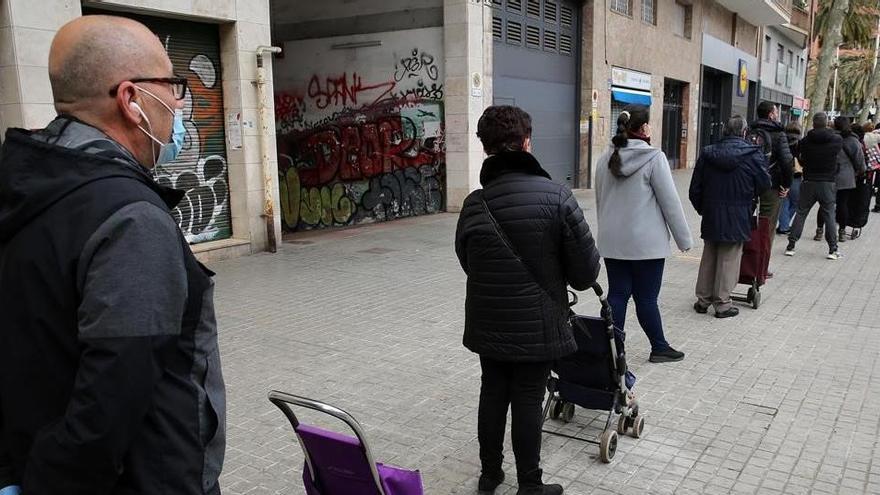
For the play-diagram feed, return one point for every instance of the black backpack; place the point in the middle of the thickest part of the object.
(764, 140)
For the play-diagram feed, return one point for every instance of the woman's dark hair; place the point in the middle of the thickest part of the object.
(859, 131)
(630, 121)
(794, 127)
(503, 128)
(842, 125)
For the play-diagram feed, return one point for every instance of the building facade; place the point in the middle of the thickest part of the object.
(369, 111)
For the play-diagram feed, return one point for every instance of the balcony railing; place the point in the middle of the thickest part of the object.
(801, 18)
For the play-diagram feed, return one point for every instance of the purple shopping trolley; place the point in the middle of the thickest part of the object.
(337, 464)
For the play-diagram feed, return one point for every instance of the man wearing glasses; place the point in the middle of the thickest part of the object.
(110, 379)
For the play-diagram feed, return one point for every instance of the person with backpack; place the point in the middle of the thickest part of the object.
(637, 207)
(521, 240)
(818, 157)
(768, 134)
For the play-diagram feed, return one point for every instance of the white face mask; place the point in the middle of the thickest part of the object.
(168, 152)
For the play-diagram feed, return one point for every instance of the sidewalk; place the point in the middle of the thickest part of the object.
(779, 400)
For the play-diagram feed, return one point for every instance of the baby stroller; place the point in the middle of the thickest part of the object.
(337, 464)
(595, 377)
(860, 204)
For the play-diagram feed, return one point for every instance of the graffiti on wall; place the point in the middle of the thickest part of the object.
(201, 168)
(354, 149)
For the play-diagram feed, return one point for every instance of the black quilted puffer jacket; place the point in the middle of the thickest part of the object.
(508, 316)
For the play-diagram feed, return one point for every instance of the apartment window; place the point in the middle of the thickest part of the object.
(649, 11)
(790, 59)
(682, 18)
(624, 7)
(768, 44)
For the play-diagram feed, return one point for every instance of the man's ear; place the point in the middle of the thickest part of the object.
(128, 106)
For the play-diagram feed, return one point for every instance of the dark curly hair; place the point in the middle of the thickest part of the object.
(503, 128)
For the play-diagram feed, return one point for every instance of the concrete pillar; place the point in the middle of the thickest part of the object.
(26, 33)
(468, 54)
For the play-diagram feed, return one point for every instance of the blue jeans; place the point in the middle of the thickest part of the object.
(641, 280)
(790, 205)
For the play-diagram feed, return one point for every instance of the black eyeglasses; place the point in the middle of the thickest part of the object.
(177, 83)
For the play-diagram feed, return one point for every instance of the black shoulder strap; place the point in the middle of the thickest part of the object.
(501, 234)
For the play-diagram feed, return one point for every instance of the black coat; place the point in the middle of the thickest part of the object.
(509, 315)
(819, 150)
(794, 144)
(89, 406)
(727, 178)
(781, 164)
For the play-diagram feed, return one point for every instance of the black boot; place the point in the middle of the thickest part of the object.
(841, 235)
(820, 234)
(489, 482)
(540, 490)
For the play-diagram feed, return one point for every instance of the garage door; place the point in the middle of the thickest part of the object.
(201, 168)
(535, 68)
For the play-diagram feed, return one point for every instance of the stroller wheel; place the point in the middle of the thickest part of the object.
(568, 412)
(638, 427)
(623, 424)
(556, 407)
(607, 445)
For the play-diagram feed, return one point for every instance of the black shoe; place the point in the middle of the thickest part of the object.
(540, 490)
(488, 484)
(700, 309)
(876, 210)
(820, 234)
(733, 311)
(668, 356)
(782, 232)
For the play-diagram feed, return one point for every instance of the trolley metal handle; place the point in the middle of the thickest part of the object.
(284, 400)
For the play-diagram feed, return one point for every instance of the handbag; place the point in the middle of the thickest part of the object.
(512, 249)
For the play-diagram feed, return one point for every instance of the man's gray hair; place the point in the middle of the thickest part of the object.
(820, 120)
(736, 126)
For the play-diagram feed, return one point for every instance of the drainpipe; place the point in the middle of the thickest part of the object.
(265, 158)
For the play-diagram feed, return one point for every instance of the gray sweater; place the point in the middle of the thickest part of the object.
(637, 212)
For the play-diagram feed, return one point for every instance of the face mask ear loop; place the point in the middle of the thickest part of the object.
(148, 133)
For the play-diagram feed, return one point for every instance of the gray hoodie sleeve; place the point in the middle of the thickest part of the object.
(132, 287)
(670, 204)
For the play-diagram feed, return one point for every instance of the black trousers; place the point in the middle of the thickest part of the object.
(521, 387)
(842, 210)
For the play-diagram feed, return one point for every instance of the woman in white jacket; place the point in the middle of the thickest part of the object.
(638, 206)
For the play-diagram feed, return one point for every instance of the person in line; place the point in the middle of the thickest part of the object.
(727, 178)
(110, 378)
(790, 203)
(850, 164)
(521, 240)
(819, 151)
(872, 159)
(638, 206)
(779, 161)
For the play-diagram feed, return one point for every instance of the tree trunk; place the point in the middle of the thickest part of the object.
(831, 38)
(869, 93)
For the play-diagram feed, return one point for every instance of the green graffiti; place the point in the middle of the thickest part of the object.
(315, 206)
(290, 198)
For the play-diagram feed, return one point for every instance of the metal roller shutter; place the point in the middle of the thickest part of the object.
(535, 68)
(201, 170)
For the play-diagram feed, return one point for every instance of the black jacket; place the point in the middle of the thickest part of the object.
(794, 145)
(109, 368)
(781, 164)
(727, 178)
(819, 152)
(509, 315)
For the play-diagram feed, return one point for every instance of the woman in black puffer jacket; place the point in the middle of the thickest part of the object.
(516, 308)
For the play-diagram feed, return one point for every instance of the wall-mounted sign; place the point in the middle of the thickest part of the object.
(625, 78)
(743, 87)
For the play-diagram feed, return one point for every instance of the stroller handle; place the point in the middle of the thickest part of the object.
(284, 400)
